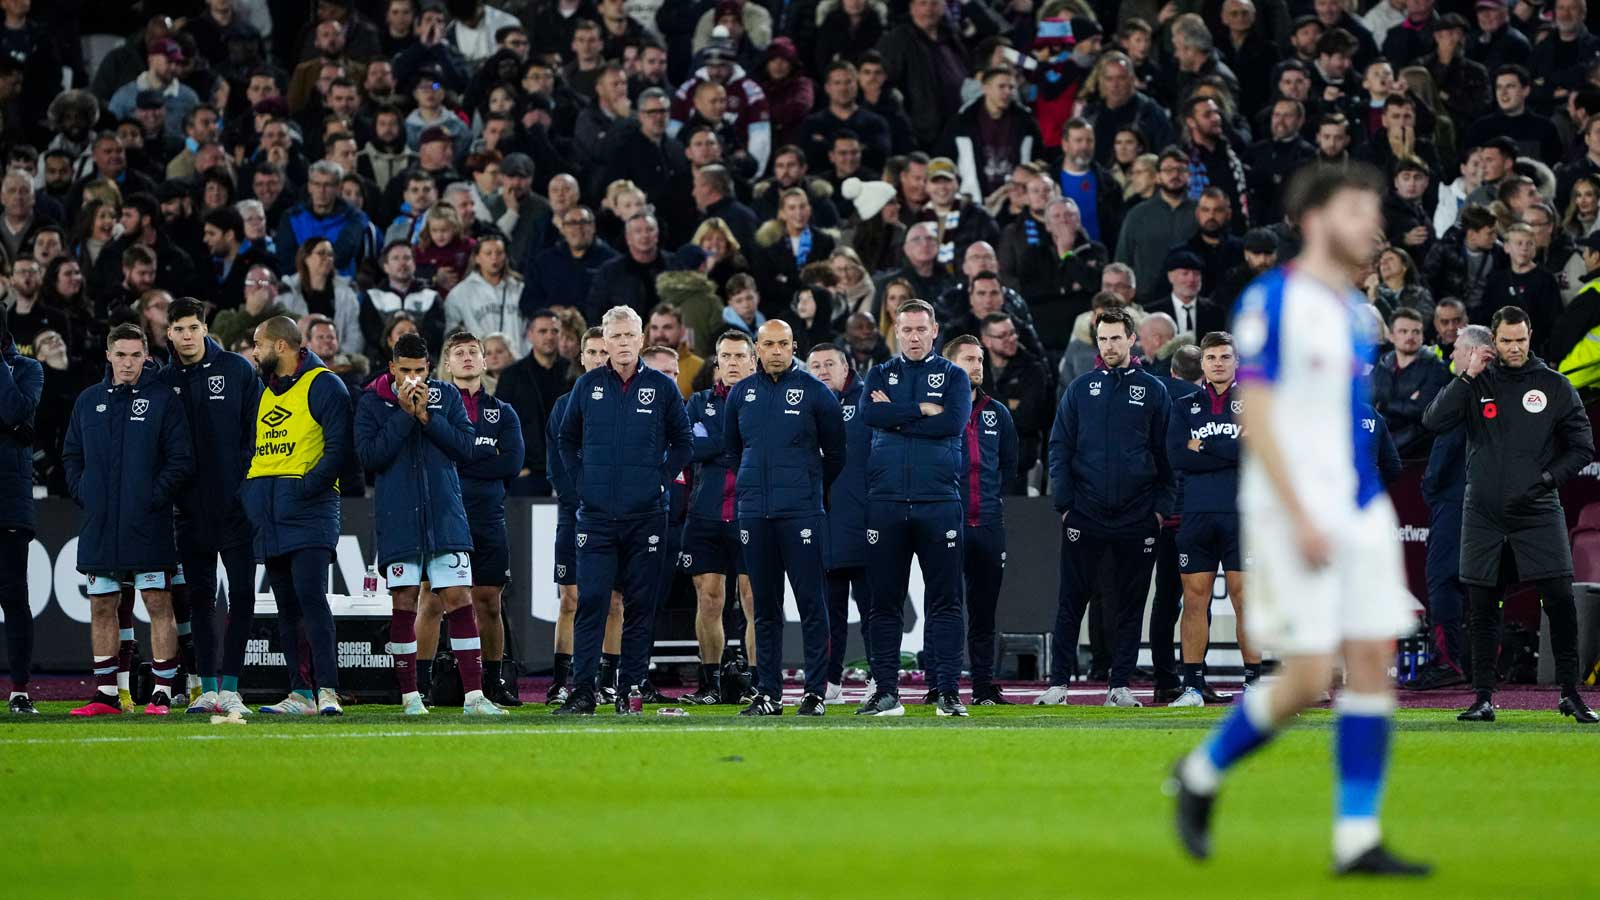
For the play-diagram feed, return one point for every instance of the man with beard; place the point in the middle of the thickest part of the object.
(1088, 184)
(645, 155)
(1018, 380)
(1273, 160)
(844, 112)
(1211, 157)
(1158, 224)
(1121, 105)
(1219, 250)
(789, 171)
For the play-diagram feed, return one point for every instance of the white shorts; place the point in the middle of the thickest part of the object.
(1360, 595)
(177, 577)
(100, 585)
(447, 570)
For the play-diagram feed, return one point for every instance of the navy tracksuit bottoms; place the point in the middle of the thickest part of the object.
(628, 554)
(931, 532)
(1446, 598)
(1165, 608)
(984, 565)
(1132, 558)
(841, 584)
(299, 581)
(774, 548)
(200, 573)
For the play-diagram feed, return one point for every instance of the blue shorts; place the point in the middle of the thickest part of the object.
(491, 558)
(566, 555)
(711, 548)
(1206, 540)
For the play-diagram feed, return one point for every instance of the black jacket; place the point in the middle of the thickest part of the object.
(1527, 435)
(1402, 395)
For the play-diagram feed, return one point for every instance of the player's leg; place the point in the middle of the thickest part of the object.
(1484, 625)
(199, 572)
(984, 565)
(1194, 632)
(309, 568)
(1556, 596)
(300, 700)
(1079, 572)
(1446, 600)
(430, 614)
(182, 618)
(889, 549)
(802, 543)
(597, 572)
(764, 558)
(644, 555)
(157, 595)
(240, 565)
(405, 589)
(127, 647)
(1133, 559)
(709, 591)
(937, 532)
(1165, 606)
(487, 608)
(450, 574)
(1247, 649)
(566, 579)
(611, 646)
(18, 614)
(105, 595)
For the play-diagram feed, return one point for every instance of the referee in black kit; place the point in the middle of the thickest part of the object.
(1527, 434)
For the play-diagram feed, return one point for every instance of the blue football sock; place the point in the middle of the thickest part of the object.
(208, 683)
(230, 683)
(1362, 755)
(1246, 728)
(306, 693)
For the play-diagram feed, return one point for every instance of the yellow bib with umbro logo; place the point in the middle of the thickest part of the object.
(288, 437)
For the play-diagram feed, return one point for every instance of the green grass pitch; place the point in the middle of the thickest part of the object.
(1014, 803)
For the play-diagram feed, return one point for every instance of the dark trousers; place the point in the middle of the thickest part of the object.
(984, 567)
(299, 583)
(774, 548)
(1131, 560)
(1164, 609)
(628, 554)
(932, 533)
(14, 603)
(841, 584)
(1556, 596)
(200, 572)
(1446, 605)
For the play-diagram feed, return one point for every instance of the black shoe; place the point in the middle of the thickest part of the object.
(653, 695)
(1481, 710)
(1433, 677)
(950, 705)
(580, 702)
(705, 695)
(557, 695)
(811, 705)
(932, 699)
(1166, 695)
(737, 685)
(1379, 861)
(23, 706)
(881, 703)
(607, 695)
(763, 706)
(1193, 815)
(988, 695)
(500, 695)
(1212, 697)
(1571, 705)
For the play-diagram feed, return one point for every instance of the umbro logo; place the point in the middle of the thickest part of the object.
(276, 416)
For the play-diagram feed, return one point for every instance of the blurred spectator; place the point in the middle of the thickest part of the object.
(317, 287)
(1405, 381)
(262, 301)
(401, 289)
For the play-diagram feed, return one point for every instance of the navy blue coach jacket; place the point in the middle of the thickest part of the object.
(916, 458)
(1108, 449)
(788, 435)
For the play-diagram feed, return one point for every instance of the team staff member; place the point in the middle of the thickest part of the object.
(1527, 435)
(786, 430)
(989, 462)
(918, 404)
(846, 557)
(665, 360)
(711, 549)
(1113, 487)
(497, 454)
(291, 494)
(21, 385)
(624, 438)
(591, 357)
(1166, 597)
(216, 389)
(411, 432)
(126, 457)
(1203, 445)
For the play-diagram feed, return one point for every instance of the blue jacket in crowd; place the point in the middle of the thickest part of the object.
(496, 459)
(289, 514)
(715, 496)
(126, 457)
(1209, 476)
(21, 385)
(847, 502)
(788, 435)
(1108, 450)
(916, 458)
(347, 228)
(554, 469)
(417, 501)
(989, 461)
(624, 443)
(216, 394)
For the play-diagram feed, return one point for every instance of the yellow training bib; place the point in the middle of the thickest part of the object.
(288, 438)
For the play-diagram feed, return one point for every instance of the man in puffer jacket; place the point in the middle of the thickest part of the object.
(127, 456)
(329, 216)
(412, 432)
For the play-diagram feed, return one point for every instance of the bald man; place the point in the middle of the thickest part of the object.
(787, 432)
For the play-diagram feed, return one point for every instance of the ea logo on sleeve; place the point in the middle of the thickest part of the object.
(1535, 401)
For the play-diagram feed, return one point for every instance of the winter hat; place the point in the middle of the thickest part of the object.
(869, 197)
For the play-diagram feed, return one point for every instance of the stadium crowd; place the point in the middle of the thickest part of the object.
(1019, 194)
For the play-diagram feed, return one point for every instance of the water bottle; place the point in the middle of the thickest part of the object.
(369, 583)
(635, 700)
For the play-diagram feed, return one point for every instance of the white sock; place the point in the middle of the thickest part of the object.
(16, 694)
(122, 681)
(472, 696)
(1198, 773)
(1353, 837)
(105, 689)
